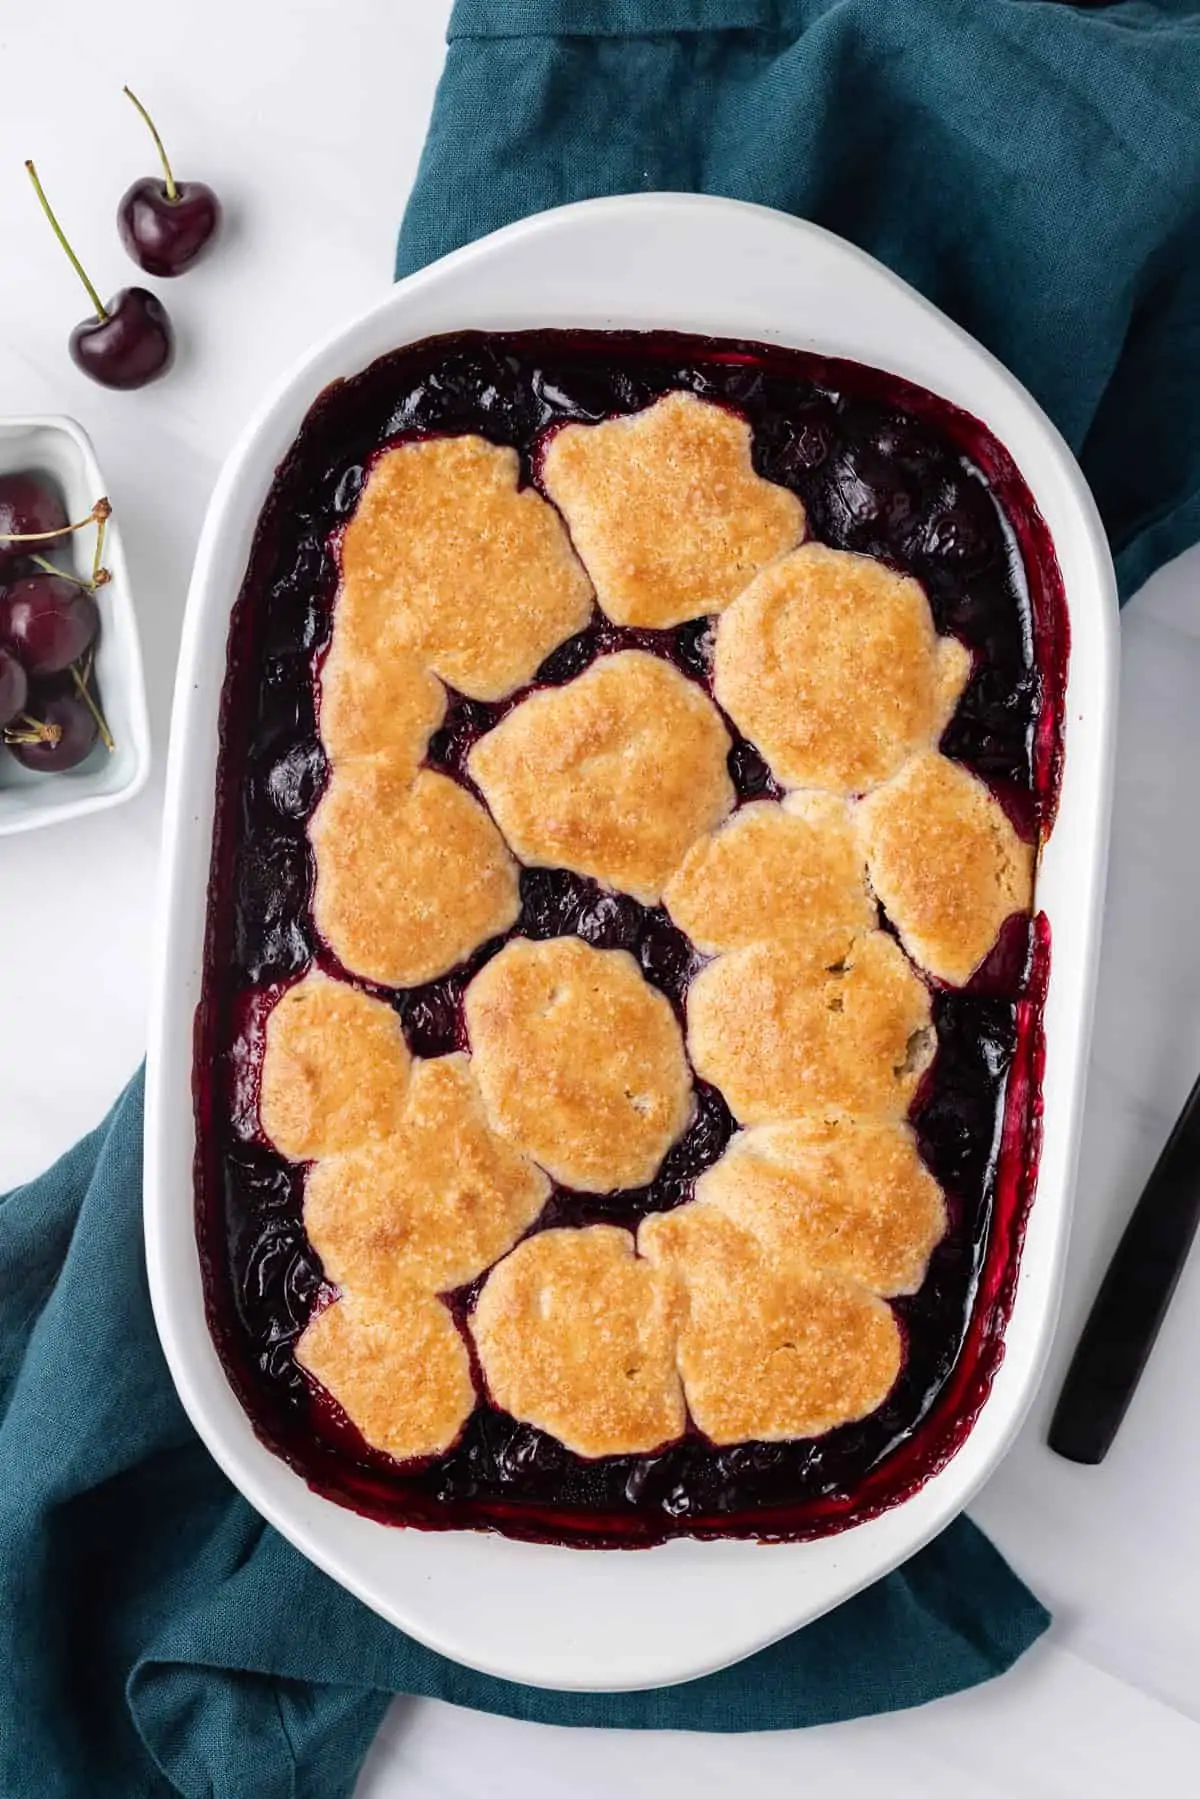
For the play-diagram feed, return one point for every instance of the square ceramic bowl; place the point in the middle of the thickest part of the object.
(61, 450)
(553, 1616)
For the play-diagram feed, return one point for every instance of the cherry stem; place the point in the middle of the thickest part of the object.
(93, 296)
(100, 576)
(89, 702)
(36, 730)
(172, 191)
(99, 515)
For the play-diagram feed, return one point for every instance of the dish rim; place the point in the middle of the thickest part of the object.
(821, 1573)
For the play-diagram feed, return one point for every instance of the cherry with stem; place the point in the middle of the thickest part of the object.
(31, 510)
(58, 737)
(100, 577)
(99, 516)
(166, 225)
(130, 341)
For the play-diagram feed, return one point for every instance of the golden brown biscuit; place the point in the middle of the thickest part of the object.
(399, 1371)
(666, 510)
(830, 664)
(376, 698)
(786, 873)
(576, 1335)
(850, 1195)
(412, 875)
(946, 863)
(614, 775)
(769, 1349)
(785, 1031)
(335, 1069)
(446, 555)
(431, 1206)
(581, 1064)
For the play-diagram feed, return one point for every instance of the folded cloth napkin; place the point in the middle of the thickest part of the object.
(1036, 170)
(1032, 168)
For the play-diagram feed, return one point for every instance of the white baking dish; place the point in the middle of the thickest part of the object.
(61, 449)
(553, 1616)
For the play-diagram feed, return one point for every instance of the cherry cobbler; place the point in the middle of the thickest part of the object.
(618, 1064)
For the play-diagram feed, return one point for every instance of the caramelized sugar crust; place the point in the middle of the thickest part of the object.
(412, 875)
(614, 775)
(335, 1069)
(446, 555)
(580, 1062)
(785, 1030)
(398, 1369)
(666, 510)
(946, 863)
(830, 663)
(433, 1204)
(576, 1334)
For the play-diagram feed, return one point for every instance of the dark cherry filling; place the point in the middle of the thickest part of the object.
(883, 468)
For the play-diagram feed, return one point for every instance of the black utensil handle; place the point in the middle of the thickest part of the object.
(1133, 1299)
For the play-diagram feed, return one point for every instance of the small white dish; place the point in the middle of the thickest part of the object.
(62, 450)
(550, 1616)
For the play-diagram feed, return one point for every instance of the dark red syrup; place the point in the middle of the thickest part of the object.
(884, 468)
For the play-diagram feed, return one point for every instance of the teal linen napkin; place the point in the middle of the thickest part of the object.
(1035, 170)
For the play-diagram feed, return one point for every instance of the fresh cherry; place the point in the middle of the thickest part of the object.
(14, 687)
(28, 509)
(57, 735)
(131, 345)
(49, 621)
(166, 225)
(130, 341)
(25, 503)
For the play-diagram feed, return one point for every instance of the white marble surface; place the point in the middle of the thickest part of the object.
(308, 120)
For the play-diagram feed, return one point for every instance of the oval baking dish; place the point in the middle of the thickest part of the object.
(684, 1607)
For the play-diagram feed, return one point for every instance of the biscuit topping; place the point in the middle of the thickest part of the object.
(433, 1204)
(829, 662)
(446, 555)
(412, 875)
(615, 775)
(580, 1062)
(666, 510)
(335, 1069)
(756, 1309)
(576, 1334)
(399, 1370)
(769, 1348)
(946, 863)
(788, 873)
(786, 1030)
